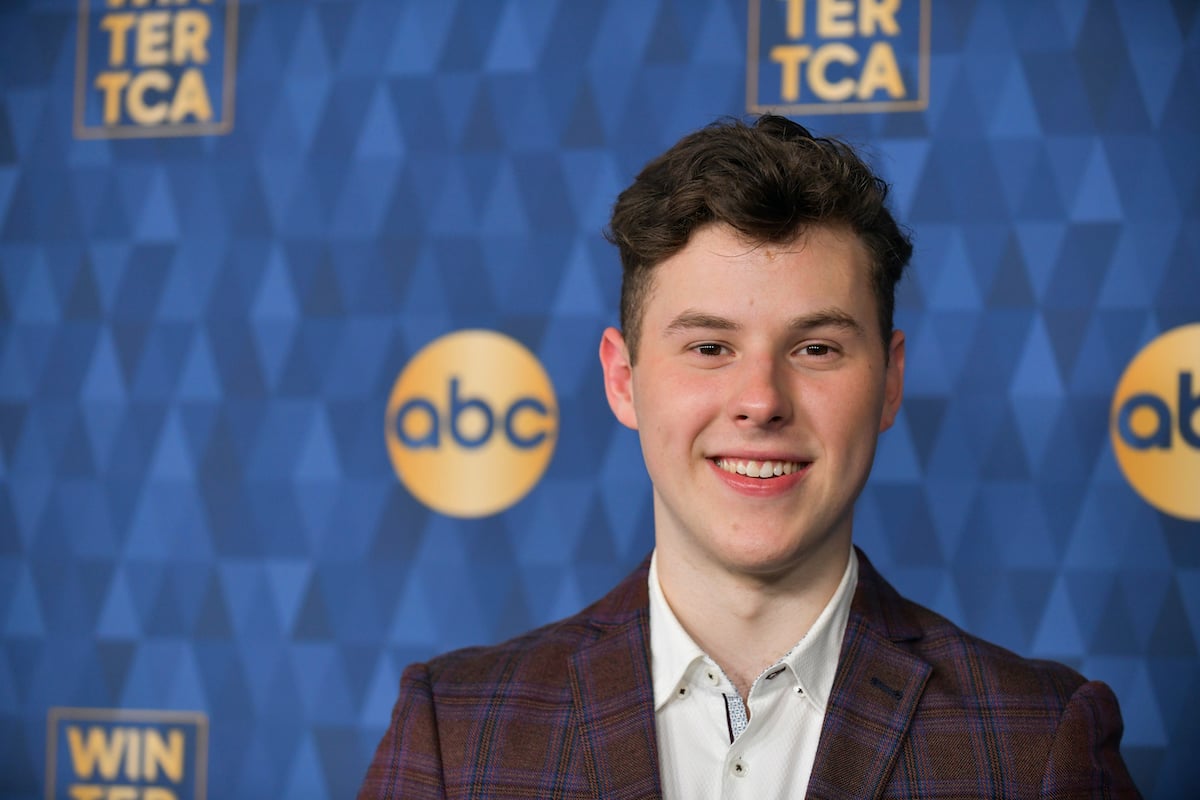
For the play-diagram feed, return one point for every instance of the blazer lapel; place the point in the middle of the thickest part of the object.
(874, 697)
(611, 685)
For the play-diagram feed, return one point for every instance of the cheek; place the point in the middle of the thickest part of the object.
(847, 412)
(676, 405)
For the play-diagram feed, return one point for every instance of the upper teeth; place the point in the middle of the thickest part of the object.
(758, 469)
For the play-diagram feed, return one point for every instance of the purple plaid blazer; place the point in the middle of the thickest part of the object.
(919, 709)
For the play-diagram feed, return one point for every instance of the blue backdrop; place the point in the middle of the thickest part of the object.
(200, 329)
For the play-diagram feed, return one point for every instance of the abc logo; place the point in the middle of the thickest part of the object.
(471, 423)
(1156, 422)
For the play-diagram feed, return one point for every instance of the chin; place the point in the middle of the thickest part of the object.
(764, 561)
(772, 556)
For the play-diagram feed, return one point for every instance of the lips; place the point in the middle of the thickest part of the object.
(764, 470)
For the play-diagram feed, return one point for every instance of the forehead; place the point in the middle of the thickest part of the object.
(719, 268)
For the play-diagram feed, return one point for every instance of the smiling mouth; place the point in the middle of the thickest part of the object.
(759, 469)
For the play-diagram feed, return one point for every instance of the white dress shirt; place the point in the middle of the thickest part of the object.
(706, 746)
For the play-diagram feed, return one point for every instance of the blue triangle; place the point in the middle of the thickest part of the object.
(186, 288)
(956, 287)
(306, 778)
(108, 267)
(172, 459)
(309, 57)
(1036, 419)
(1072, 13)
(332, 698)
(903, 165)
(117, 617)
(380, 695)
(186, 689)
(145, 538)
(8, 187)
(381, 135)
(928, 374)
(318, 459)
(249, 601)
(504, 210)
(1037, 371)
(1058, 636)
(947, 601)
(157, 222)
(1155, 56)
(1094, 368)
(25, 108)
(578, 293)
(419, 38)
(1097, 198)
(199, 379)
(453, 211)
(280, 174)
(276, 298)
(510, 50)
(273, 340)
(38, 302)
(949, 500)
(149, 673)
(1014, 114)
(455, 94)
(413, 623)
(1041, 244)
(1068, 158)
(104, 382)
(288, 581)
(1138, 266)
(896, 458)
(24, 611)
(363, 199)
(552, 523)
(300, 117)
(718, 40)
(1142, 714)
(259, 53)
(316, 505)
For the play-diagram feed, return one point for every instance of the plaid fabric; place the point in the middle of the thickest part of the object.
(919, 710)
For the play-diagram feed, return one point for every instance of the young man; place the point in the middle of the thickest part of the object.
(756, 654)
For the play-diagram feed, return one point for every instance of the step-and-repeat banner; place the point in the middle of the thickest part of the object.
(299, 309)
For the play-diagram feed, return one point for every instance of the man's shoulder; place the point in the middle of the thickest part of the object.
(963, 657)
(963, 663)
(542, 655)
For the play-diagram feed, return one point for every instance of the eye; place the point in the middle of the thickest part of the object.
(710, 349)
(817, 349)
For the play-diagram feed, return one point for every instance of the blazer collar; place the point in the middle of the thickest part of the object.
(875, 693)
(612, 690)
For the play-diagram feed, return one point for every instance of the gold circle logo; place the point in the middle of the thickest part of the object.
(1156, 422)
(471, 423)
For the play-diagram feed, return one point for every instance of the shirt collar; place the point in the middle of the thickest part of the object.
(812, 661)
(672, 650)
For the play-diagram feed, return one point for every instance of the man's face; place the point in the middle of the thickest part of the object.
(757, 360)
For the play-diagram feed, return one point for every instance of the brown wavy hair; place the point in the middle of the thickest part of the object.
(770, 181)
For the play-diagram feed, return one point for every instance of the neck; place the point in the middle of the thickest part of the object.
(744, 621)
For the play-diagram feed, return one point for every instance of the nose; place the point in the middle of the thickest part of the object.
(761, 396)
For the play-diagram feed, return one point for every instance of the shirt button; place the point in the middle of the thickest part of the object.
(712, 677)
(739, 768)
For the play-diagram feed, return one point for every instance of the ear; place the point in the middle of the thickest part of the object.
(618, 377)
(893, 389)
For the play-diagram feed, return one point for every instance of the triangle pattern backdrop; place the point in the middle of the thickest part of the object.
(198, 337)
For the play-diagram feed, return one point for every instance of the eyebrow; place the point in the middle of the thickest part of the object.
(691, 320)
